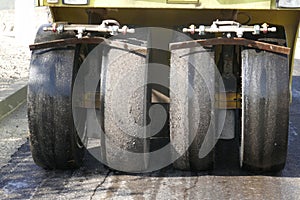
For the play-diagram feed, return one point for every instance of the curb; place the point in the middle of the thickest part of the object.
(12, 97)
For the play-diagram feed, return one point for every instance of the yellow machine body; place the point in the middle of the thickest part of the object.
(169, 13)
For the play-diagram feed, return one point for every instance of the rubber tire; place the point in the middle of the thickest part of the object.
(185, 110)
(53, 138)
(121, 72)
(265, 107)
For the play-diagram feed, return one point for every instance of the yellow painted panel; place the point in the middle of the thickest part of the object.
(183, 1)
(241, 1)
(184, 4)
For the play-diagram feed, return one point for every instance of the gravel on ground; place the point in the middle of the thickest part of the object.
(15, 59)
(15, 55)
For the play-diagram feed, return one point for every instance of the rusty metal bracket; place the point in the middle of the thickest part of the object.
(91, 100)
(231, 41)
(89, 40)
(65, 42)
(228, 100)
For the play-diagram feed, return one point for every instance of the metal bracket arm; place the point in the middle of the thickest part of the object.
(231, 41)
(88, 40)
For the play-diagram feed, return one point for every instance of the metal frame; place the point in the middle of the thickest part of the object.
(232, 41)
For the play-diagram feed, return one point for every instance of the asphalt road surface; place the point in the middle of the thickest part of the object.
(20, 178)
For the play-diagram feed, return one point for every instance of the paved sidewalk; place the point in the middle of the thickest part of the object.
(12, 97)
(13, 133)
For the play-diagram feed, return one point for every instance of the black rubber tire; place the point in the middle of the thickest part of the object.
(121, 73)
(53, 139)
(187, 106)
(265, 107)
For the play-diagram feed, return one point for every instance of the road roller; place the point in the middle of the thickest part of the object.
(146, 84)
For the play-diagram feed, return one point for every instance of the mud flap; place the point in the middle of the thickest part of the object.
(265, 110)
